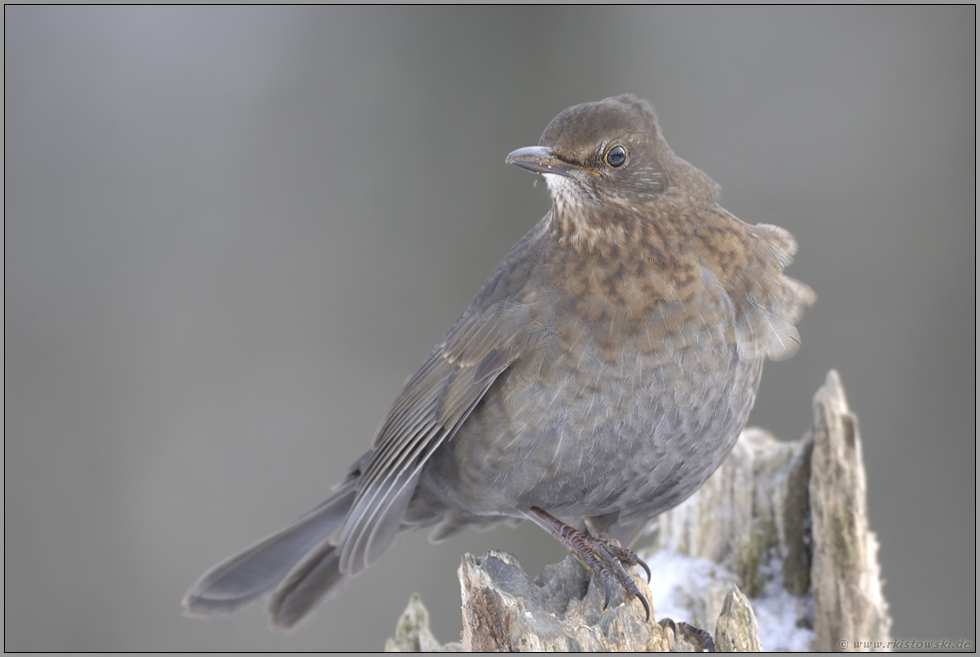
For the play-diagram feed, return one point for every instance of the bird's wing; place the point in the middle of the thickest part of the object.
(493, 332)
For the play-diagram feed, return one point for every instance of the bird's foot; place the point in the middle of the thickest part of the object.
(600, 555)
(701, 637)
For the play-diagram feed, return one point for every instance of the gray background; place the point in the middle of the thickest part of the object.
(232, 233)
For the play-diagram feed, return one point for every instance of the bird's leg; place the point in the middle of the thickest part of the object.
(601, 556)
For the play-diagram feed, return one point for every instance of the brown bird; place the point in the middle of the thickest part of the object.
(601, 374)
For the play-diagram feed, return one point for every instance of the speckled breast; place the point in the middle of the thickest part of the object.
(626, 405)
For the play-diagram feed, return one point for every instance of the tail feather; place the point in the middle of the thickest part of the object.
(260, 568)
(313, 581)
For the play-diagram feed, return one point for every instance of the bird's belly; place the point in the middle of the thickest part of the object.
(635, 434)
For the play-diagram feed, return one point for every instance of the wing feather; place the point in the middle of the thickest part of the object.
(492, 333)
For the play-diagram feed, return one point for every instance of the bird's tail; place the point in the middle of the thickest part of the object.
(299, 564)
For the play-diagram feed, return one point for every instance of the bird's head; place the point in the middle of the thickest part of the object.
(601, 153)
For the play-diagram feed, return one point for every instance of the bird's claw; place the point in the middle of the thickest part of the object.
(602, 557)
(701, 637)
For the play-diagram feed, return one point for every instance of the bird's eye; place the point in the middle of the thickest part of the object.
(616, 157)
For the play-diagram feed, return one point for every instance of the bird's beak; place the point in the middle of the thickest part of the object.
(541, 159)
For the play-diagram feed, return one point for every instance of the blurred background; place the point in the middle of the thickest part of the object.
(232, 233)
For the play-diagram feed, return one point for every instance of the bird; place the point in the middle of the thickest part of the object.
(600, 375)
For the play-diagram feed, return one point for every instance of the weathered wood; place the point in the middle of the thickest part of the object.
(413, 634)
(737, 629)
(848, 604)
(504, 610)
